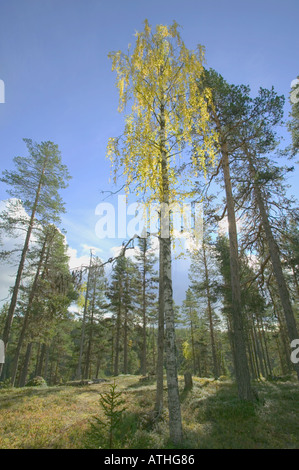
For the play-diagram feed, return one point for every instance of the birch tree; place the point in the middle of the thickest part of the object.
(158, 80)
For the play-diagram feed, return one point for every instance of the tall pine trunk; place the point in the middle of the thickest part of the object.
(275, 259)
(210, 313)
(240, 357)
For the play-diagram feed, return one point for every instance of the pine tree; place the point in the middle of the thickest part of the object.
(36, 182)
(146, 261)
(49, 295)
(97, 308)
(227, 112)
(121, 293)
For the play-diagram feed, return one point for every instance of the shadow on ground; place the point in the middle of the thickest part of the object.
(222, 421)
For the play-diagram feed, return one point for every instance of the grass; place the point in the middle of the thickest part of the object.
(213, 416)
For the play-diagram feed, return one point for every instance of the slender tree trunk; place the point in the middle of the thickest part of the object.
(79, 368)
(117, 334)
(263, 354)
(153, 347)
(88, 353)
(37, 359)
(212, 334)
(266, 348)
(46, 362)
(251, 357)
(13, 302)
(241, 362)
(284, 342)
(98, 365)
(125, 340)
(126, 324)
(192, 347)
(295, 279)
(258, 350)
(24, 372)
(41, 360)
(276, 262)
(27, 313)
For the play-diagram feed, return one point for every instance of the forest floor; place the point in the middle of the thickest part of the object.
(213, 417)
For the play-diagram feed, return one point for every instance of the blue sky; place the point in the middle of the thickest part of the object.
(59, 85)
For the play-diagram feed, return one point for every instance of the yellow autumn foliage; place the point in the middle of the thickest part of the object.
(159, 79)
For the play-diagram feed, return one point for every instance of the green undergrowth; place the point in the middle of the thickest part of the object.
(213, 416)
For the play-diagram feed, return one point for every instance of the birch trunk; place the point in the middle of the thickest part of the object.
(175, 422)
(143, 361)
(160, 339)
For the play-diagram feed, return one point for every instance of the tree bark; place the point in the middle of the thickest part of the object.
(27, 313)
(240, 357)
(126, 326)
(211, 324)
(40, 363)
(175, 421)
(193, 347)
(79, 368)
(117, 334)
(275, 259)
(13, 302)
(143, 357)
(24, 372)
(90, 336)
(160, 339)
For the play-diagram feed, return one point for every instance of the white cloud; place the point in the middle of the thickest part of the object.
(75, 260)
(87, 248)
(12, 241)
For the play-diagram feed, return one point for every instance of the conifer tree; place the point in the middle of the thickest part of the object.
(36, 181)
(228, 111)
(146, 260)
